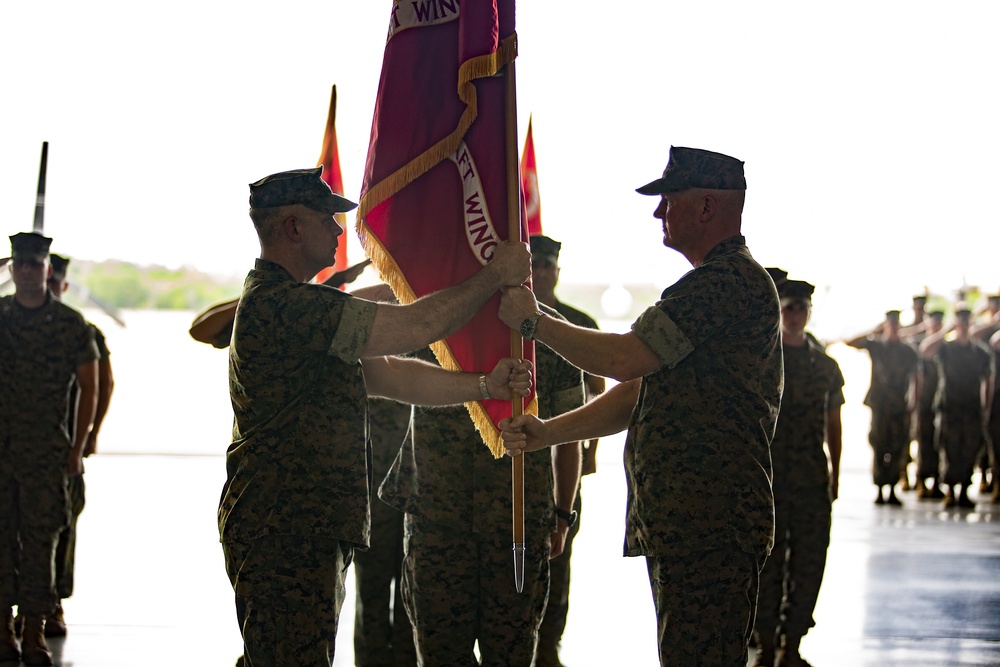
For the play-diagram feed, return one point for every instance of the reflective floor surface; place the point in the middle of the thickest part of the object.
(916, 585)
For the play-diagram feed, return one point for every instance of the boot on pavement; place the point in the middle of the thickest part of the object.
(8, 642)
(34, 650)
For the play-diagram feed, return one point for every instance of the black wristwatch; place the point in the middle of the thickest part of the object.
(569, 517)
(528, 325)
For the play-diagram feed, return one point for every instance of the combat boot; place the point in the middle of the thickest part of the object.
(55, 624)
(34, 650)
(8, 643)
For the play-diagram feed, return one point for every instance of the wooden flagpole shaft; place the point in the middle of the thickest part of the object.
(39, 223)
(516, 342)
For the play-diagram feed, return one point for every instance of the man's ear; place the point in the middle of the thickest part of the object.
(290, 225)
(709, 206)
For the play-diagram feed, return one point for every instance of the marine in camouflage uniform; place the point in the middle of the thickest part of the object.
(383, 636)
(458, 584)
(805, 483)
(48, 348)
(55, 625)
(296, 501)
(544, 277)
(925, 430)
(988, 333)
(892, 397)
(965, 375)
(700, 382)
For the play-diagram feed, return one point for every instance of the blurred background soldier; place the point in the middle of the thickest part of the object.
(55, 625)
(458, 587)
(892, 398)
(49, 347)
(544, 278)
(985, 331)
(965, 368)
(805, 483)
(925, 431)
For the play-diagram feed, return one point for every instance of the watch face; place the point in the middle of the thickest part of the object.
(528, 328)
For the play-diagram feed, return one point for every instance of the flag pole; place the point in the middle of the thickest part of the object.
(516, 342)
(39, 224)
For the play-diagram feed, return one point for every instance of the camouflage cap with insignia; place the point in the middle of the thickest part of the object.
(31, 246)
(543, 246)
(59, 265)
(796, 289)
(695, 168)
(299, 186)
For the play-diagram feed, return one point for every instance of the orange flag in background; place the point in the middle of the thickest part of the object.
(329, 159)
(529, 185)
(434, 197)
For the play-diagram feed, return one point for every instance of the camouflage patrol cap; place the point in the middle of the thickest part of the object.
(892, 315)
(962, 309)
(778, 276)
(299, 186)
(29, 245)
(796, 289)
(543, 246)
(936, 315)
(920, 297)
(696, 168)
(59, 265)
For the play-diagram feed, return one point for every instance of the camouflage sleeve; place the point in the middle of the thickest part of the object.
(88, 348)
(354, 329)
(655, 328)
(836, 397)
(565, 400)
(102, 345)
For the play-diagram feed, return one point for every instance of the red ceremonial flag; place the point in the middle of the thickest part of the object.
(434, 197)
(329, 159)
(529, 185)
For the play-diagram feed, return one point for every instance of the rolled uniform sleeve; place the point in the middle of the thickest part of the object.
(354, 329)
(655, 328)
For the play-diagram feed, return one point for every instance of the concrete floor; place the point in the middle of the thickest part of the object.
(916, 585)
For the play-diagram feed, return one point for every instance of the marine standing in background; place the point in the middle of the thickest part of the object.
(544, 278)
(48, 347)
(965, 385)
(302, 363)
(700, 382)
(928, 460)
(892, 397)
(986, 331)
(55, 625)
(805, 483)
(457, 500)
(383, 635)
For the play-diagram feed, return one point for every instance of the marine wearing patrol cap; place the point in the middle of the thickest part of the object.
(30, 246)
(299, 186)
(695, 168)
(778, 276)
(892, 316)
(796, 289)
(542, 247)
(59, 265)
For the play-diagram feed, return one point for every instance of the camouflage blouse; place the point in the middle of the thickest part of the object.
(696, 454)
(42, 348)
(298, 463)
(814, 385)
(893, 364)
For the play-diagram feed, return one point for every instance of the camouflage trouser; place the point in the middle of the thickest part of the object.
(289, 591)
(890, 439)
(792, 574)
(34, 512)
(459, 588)
(383, 636)
(66, 546)
(927, 454)
(959, 438)
(705, 605)
(993, 439)
(557, 608)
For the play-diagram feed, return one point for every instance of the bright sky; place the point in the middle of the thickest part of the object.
(869, 129)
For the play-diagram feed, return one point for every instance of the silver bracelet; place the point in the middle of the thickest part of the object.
(483, 389)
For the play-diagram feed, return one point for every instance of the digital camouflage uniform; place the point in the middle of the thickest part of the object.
(42, 349)
(383, 636)
(894, 363)
(792, 574)
(927, 453)
(296, 500)
(993, 423)
(458, 568)
(962, 368)
(696, 456)
(557, 608)
(66, 546)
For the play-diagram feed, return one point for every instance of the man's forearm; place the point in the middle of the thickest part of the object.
(566, 469)
(607, 414)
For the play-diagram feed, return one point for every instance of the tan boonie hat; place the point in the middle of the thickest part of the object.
(696, 168)
(300, 186)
